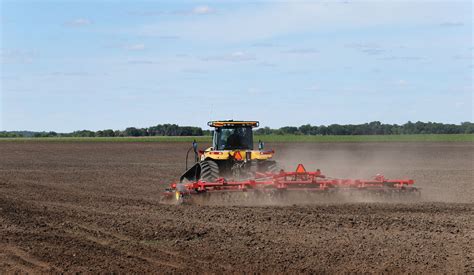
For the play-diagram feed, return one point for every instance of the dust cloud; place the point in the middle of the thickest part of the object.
(443, 171)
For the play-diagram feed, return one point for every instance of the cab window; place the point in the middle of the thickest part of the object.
(233, 138)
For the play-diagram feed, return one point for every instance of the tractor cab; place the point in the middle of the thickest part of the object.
(233, 135)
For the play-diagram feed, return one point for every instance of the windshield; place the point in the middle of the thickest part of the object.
(233, 138)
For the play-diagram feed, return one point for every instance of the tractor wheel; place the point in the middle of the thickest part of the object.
(209, 171)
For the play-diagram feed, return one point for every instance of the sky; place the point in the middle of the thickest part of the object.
(72, 65)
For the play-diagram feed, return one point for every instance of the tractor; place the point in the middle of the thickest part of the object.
(231, 155)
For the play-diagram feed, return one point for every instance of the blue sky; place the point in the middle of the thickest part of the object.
(70, 65)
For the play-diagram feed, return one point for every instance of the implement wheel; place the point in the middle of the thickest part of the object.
(178, 197)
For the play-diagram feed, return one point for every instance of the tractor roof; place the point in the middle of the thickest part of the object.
(232, 123)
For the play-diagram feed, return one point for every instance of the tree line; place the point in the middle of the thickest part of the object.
(372, 128)
(158, 130)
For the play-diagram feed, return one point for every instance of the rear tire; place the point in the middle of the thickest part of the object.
(209, 171)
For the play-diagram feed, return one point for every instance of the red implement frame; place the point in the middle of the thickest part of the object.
(300, 180)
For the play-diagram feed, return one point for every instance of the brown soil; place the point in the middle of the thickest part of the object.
(88, 207)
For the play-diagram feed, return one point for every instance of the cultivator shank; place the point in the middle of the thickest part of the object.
(277, 185)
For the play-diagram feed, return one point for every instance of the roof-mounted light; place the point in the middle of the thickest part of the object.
(232, 123)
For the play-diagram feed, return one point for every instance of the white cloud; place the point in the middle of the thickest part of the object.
(80, 74)
(135, 47)
(255, 91)
(146, 13)
(198, 10)
(367, 48)
(264, 45)
(79, 22)
(267, 64)
(463, 57)
(402, 82)
(202, 10)
(168, 37)
(16, 56)
(401, 58)
(314, 88)
(142, 62)
(232, 57)
(451, 24)
(302, 51)
(193, 71)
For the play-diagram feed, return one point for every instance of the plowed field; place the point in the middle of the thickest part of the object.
(89, 207)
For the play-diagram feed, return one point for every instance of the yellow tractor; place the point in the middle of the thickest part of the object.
(231, 155)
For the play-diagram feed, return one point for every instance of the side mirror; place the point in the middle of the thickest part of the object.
(195, 146)
(260, 145)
